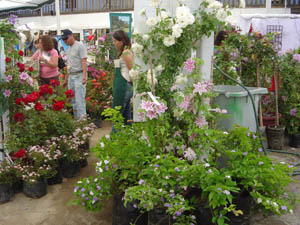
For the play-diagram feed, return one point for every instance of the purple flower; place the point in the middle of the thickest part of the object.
(245, 153)
(168, 205)
(12, 19)
(283, 98)
(114, 166)
(260, 163)
(141, 182)
(172, 195)
(185, 103)
(293, 112)
(87, 198)
(189, 65)
(75, 189)
(82, 189)
(216, 141)
(83, 195)
(260, 149)
(8, 78)
(82, 203)
(156, 165)
(246, 59)
(220, 189)
(95, 199)
(7, 93)
(106, 168)
(98, 187)
(296, 57)
(177, 213)
(226, 192)
(177, 169)
(234, 55)
(192, 137)
(134, 206)
(102, 38)
(284, 207)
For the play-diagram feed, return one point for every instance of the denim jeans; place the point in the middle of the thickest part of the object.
(78, 101)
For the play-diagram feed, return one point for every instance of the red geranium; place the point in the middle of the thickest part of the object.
(19, 117)
(21, 67)
(7, 59)
(69, 93)
(32, 97)
(30, 69)
(38, 106)
(18, 101)
(58, 105)
(21, 53)
(45, 89)
(19, 154)
(54, 83)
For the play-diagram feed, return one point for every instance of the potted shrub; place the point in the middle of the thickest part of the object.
(7, 178)
(289, 97)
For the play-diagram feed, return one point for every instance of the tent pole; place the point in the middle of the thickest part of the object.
(57, 16)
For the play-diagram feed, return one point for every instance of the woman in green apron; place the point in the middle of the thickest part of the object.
(122, 85)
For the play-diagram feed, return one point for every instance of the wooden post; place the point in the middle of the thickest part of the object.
(276, 96)
(258, 85)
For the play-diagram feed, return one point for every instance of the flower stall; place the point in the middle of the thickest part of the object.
(175, 166)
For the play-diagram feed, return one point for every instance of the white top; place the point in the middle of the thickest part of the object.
(124, 71)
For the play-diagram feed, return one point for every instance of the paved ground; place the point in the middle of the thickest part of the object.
(52, 209)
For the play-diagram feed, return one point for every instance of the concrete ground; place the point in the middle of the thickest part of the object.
(52, 209)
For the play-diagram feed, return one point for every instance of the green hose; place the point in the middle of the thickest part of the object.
(296, 172)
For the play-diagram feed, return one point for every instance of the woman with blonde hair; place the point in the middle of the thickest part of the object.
(48, 58)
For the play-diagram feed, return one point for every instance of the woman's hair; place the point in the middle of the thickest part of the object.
(120, 35)
(47, 43)
(221, 36)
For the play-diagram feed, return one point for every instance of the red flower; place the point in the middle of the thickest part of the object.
(103, 74)
(45, 89)
(19, 117)
(7, 59)
(58, 105)
(38, 106)
(91, 37)
(21, 53)
(54, 83)
(18, 101)
(19, 154)
(21, 67)
(32, 97)
(251, 28)
(88, 98)
(30, 69)
(69, 93)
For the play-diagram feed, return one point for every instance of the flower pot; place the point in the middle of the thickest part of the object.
(122, 215)
(57, 178)
(70, 169)
(35, 190)
(6, 193)
(97, 122)
(158, 217)
(83, 162)
(295, 140)
(275, 137)
(269, 120)
(18, 186)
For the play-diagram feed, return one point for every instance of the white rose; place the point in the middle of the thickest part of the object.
(164, 15)
(176, 31)
(231, 20)
(182, 12)
(133, 74)
(143, 12)
(154, 3)
(146, 37)
(215, 5)
(169, 41)
(183, 22)
(137, 48)
(190, 19)
(259, 201)
(180, 79)
(159, 68)
(221, 14)
(152, 21)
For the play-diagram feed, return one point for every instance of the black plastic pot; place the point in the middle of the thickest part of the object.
(6, 193)
(35, 190)
(243, 202)
(18, 186)
(83, 163)
(97, 122)
(295, 140)
(69, 169)
(158, 217)
(275, 137)
(57, 178)
(122, 215)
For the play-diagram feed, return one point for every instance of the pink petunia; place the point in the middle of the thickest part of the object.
(8, 78)
(23, 76)
(7, 93)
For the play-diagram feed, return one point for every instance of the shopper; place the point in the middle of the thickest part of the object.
(76, 77)
(122, 85)
(48, 58)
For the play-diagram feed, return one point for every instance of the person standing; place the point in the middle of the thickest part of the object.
(76, 76)
(48, 58)
(122, 84)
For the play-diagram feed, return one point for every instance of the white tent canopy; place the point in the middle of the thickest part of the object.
(15, 4)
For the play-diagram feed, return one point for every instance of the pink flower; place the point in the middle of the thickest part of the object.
(147, 105)
(151, 114)
(177, 133)
(161, 108)
(189, 65)
(192, 137)
(23, 76)
(174, 87)
(293, 112)
(296, 57)
(8, 78)
(7, 93)
(102, 39)
(200, 88)
(200, 121)
(141, 116)
(185, 103)
(283, 98)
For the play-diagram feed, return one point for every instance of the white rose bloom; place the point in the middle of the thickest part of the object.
(182, 12)
(181, 1)
(221, 14)
(169, 41)
(215, 5)
(133, 74)
(154, 3)
(259, 200)
(191, 19)
(183, 22)
(152, 21)
(181, 79)
(146, 37)
(159, 68)
(143, 12)
(137, 48)
(149, 78)
(164, 15)
(231, 20)
(176, 31)
(242, 4)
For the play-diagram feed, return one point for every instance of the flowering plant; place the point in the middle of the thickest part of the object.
(8, 173)
(289, 100)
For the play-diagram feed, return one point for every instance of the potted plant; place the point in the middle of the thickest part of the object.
(7, 178)
(289, 98)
